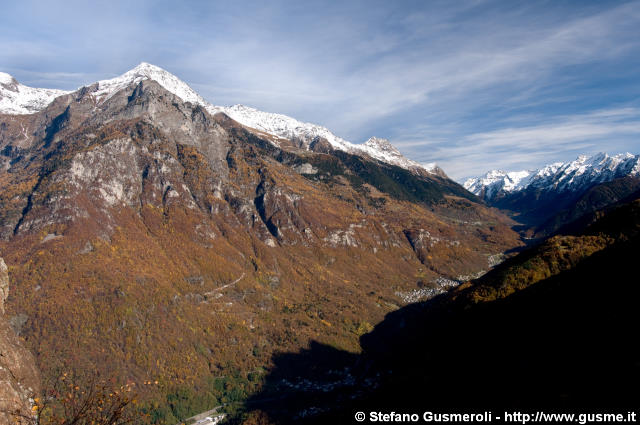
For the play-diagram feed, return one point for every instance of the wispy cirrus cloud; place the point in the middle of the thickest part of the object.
(351, 83)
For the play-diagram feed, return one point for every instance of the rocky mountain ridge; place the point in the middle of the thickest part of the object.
(280, 126)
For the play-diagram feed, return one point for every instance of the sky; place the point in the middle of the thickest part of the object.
(472, 85)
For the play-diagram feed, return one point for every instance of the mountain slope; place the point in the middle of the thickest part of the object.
(549, 329)
(536, 314)
(177, 246)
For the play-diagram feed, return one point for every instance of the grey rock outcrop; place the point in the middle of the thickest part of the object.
(19, 377)
(4, 284)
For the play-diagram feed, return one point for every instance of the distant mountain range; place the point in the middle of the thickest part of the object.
(548, 198)
(574, 176)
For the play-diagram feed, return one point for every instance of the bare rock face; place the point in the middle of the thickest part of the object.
(19, 377)
(4, 284)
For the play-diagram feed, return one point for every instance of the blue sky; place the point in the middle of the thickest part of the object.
(471, 85)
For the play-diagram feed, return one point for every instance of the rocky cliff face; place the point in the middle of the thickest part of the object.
(4, 284)
(19, 377)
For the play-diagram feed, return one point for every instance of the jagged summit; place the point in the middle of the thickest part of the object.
(576, 175)
(19, 99)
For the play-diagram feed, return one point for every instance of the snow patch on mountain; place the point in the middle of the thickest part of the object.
(16, 98)
(281, 125)
(383, 150)
(576, 175)
(19, 99)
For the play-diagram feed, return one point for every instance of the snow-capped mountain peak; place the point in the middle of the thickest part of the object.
(579, 174)
(147, 71)
(16, 98)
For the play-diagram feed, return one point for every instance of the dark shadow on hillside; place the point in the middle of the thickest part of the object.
(319, 376)
(566, 342)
